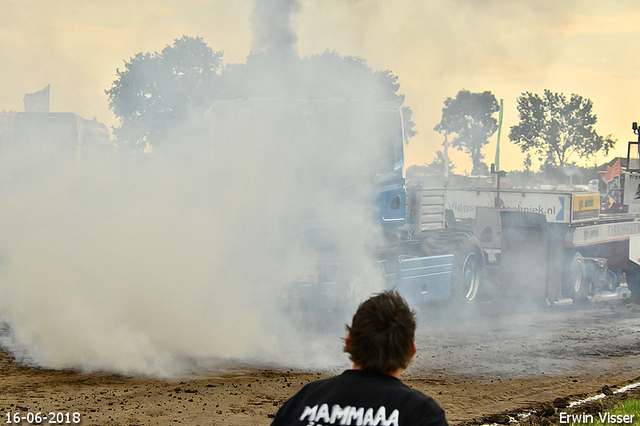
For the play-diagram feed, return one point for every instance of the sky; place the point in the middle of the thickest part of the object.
(435, 47)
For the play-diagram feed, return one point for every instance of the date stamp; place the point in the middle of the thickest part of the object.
(50, 418)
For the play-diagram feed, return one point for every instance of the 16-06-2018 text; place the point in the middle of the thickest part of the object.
(43, 418)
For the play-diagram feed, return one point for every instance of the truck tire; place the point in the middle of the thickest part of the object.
(357, 292)
(468, 263)
(574, 283)
(633, 281)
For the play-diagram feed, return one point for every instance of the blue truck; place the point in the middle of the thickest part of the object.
(413, 242)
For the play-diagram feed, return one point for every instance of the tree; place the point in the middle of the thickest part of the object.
(437, 165)
(555, 128)
(158, 92)
(327, 75)
(526, 163)
(470, 117)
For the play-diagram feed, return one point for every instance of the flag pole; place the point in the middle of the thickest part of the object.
(497, 159)
(495, 168)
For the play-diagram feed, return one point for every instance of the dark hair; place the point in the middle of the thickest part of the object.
(381, 334)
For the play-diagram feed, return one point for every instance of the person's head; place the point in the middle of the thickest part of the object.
(381, 334)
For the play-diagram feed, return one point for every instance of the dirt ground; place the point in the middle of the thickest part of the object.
(507, 359)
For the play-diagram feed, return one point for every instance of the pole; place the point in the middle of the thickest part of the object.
(496, 202)
(445, 156)
(497, 160)
(495, 168)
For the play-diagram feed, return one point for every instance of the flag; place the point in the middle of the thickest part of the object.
(497, 160)
(612, 172)
(612, 178)
(38, 101)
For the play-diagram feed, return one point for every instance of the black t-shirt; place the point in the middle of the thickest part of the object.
(360, 398)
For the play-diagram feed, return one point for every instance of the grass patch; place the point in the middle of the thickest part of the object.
(629, 407)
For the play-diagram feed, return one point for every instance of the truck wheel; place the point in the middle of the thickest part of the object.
(468, 262)
(575, 285)
(471, 277)
(357, 292)
(633, 281)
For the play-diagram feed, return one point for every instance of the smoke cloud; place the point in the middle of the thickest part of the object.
(272, 27)
(143, 264)
(149, 264)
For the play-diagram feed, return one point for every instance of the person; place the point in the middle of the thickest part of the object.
(380, 343)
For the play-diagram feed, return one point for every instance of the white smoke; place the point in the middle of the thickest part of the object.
(273, 27)
(141, 264)
(146, 263)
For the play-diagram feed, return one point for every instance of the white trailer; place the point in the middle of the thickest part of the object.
(558, 206)
(559, 245)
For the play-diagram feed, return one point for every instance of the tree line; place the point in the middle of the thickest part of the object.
(157, 95)
(557, 129)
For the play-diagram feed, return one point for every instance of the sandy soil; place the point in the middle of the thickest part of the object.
(508, 359)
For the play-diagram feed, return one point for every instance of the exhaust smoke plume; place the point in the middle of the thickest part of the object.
(144, 266)
(272, 27)
(151, 264)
